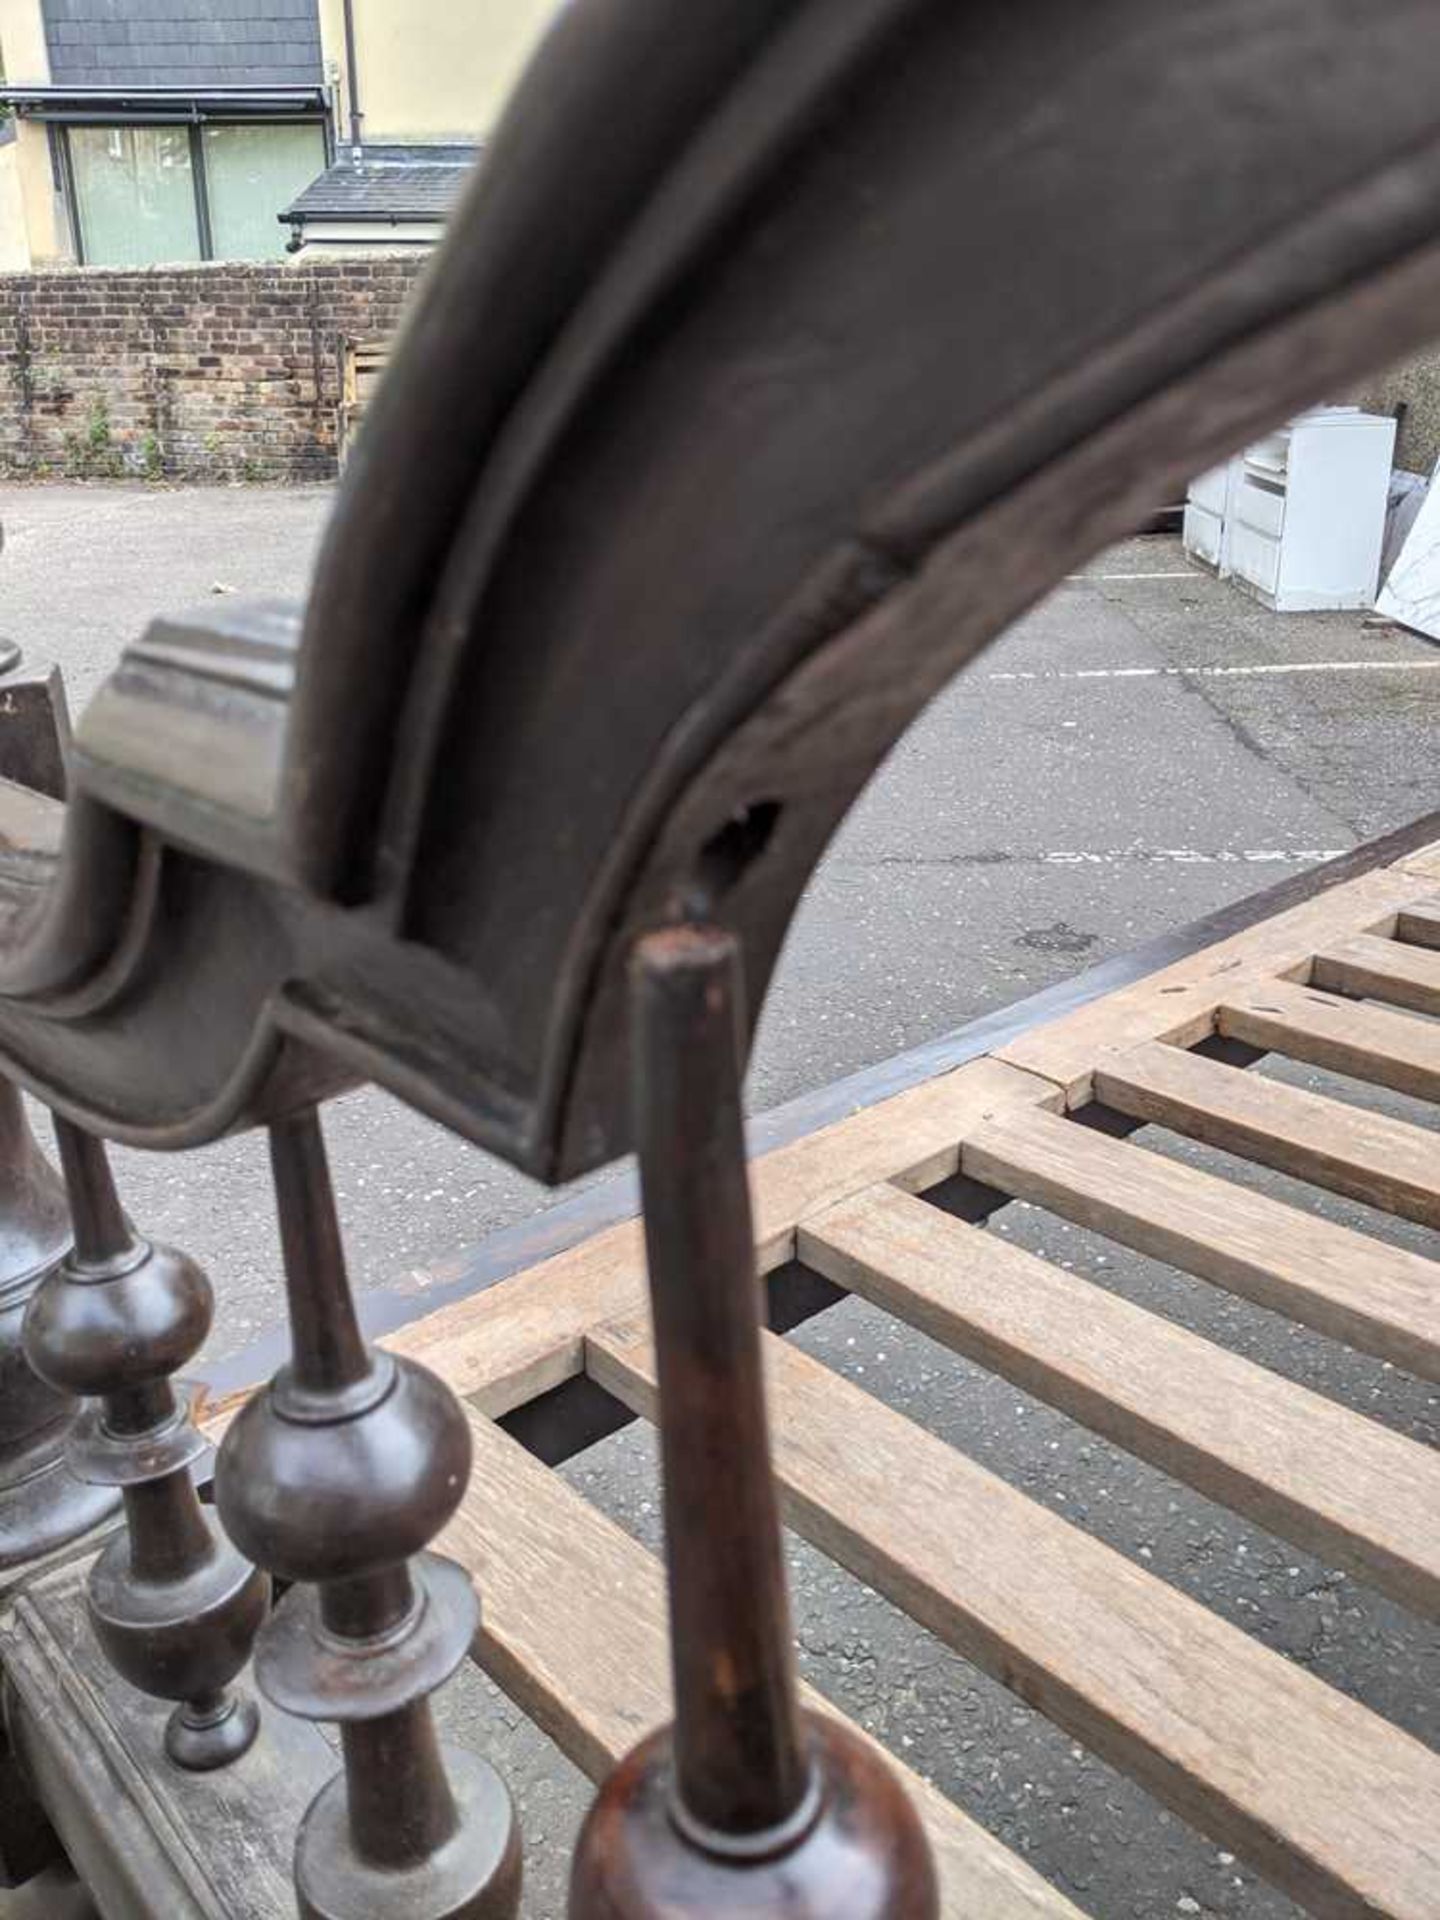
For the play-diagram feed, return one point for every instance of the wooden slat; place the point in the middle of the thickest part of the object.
(1423, 861)
(573, 1628)
(518, 1339)
(912, 1140)
(1329, 1800)
(1376, 1297)
(1337, 1484)
(1420, 925)
(1368, 1156)
(1369, 1043)
(1372, 969)
(1178, 1002)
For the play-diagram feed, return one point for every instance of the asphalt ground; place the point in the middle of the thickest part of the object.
(1144, 748)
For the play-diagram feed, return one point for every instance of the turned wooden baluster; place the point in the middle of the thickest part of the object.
(42, 1504)
(172, 1602)
(746, 1805)
(337, 1477)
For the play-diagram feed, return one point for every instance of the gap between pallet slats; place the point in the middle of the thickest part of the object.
(1420, 924)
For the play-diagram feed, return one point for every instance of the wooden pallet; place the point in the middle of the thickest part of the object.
(362, 363)
(1322, 1795)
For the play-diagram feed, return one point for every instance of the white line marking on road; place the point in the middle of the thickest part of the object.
(1113, 857)
(1253, 670)
(1194, 857)
(1185, 573)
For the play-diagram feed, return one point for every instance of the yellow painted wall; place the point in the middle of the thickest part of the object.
(431, 70)
(32, 227)
(22, 43)
(45, 229)
(31, 233)
(14, 240)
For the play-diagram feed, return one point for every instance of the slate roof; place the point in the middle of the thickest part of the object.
(184, 43)
(390, 183)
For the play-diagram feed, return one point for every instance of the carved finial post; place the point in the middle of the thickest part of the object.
(337, 1477)
(42, 1504)
(172, 1602)
(746, 1804)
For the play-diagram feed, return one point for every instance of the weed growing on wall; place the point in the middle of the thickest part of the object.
(93, 454)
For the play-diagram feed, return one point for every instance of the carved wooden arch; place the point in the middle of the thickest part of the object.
(775, 363)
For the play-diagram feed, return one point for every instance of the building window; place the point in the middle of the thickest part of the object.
(252, 173)
(151, 195)
(134, 195)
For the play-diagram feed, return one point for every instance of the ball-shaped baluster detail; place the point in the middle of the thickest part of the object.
(326, 1487)
(96, 1329)
(43, 1505)
(853, 1850)
(337, 1478)
(180, 1625)
(172, 1601)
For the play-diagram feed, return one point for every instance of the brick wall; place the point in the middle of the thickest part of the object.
(193, 373)
(1411, 390)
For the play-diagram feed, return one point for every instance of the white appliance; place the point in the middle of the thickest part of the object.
(1302, 512)
(1209, 511)
(1411, 594)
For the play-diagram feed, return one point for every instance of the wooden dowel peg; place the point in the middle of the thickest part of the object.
(745, 1805)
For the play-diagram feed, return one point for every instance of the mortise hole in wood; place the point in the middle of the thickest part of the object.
(727, 855)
